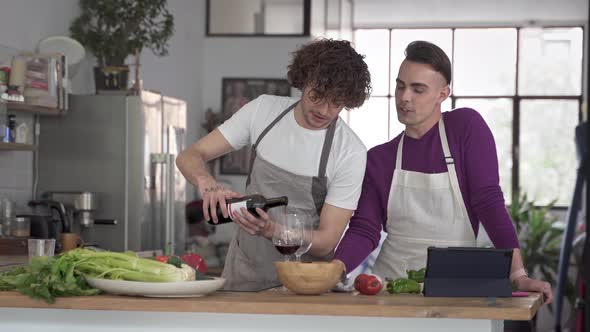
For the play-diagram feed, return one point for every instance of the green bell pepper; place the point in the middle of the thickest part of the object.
(417, 275)
(403, 285)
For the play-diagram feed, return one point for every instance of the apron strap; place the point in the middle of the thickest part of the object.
(398, 156)
(326, 148)
(264, 132)
(451, 167)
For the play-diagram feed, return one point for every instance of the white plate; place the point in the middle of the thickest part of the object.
(157, 289)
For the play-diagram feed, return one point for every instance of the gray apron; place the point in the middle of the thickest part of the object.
(249, 261)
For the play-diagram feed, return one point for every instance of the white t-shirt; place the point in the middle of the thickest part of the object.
(297, 150)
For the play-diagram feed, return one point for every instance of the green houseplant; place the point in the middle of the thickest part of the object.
(114, 29)
(540, 241)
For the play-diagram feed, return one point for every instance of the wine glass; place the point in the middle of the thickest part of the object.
(307, 228)
(287, 236)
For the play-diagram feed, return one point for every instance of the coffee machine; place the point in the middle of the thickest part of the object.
(79, 206)
(65, 212)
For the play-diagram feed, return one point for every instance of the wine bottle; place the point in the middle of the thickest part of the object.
(234, 205)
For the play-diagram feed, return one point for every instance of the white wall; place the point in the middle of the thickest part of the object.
(180, 74)
(22, 24)
(243, 57)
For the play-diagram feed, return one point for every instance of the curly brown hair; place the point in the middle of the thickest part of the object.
(333, 70)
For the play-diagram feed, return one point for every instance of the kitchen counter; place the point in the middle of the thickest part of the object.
(225, 311)
(9, 262)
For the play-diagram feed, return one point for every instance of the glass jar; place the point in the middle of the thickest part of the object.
(21, 227)
(7, 216)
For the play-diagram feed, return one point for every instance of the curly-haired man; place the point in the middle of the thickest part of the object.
(300, 148)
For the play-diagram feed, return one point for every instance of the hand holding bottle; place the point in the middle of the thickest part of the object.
(214, 195)
(255, 225)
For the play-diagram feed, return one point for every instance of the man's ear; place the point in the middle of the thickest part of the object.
(444, 93)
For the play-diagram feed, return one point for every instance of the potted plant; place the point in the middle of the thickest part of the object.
(540, 242)
(114, 29)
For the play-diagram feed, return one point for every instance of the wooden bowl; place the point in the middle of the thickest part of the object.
(308, 278)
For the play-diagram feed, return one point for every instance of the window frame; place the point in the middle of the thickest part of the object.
(516, 98)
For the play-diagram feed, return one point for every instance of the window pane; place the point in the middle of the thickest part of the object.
(498, 115)
(374, 44)
(547, 150)
(485, 62)
(446, 105)
(550, 61)
(369, 121)
(400, 38)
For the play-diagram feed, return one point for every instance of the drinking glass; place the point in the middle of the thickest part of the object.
(41, 247)
(306, 221)
(287, 236)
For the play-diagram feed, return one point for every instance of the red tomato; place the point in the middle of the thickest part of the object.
(195, 261)
(360, 281)
(162, 258)
(367, 284)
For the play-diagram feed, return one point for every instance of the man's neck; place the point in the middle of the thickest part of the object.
(420, 129)
(298, 112)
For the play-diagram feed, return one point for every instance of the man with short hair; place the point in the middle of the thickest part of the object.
(434, 183)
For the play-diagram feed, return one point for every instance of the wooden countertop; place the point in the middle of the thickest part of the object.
(278, 302)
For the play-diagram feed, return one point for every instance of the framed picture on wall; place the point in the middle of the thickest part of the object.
(237, 92)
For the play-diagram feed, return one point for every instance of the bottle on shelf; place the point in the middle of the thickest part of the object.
(3, 121)
(10, 129)
(234, 205)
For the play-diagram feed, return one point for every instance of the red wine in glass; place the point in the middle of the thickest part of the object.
(288, 249)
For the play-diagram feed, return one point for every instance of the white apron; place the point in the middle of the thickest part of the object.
(423, 210)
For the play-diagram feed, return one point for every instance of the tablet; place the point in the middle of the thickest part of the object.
(468, 272)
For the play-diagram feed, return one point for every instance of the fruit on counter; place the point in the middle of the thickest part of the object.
(65, 275)
(368, 284)
(195, 261)
(162, 258)
(191, 259)
(403, 285)
(417, 275)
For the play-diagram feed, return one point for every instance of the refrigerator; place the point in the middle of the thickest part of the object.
(122, 149)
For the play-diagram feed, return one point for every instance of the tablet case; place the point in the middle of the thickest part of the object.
(468, 272)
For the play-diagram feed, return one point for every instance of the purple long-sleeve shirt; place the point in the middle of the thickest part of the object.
(474, 151)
